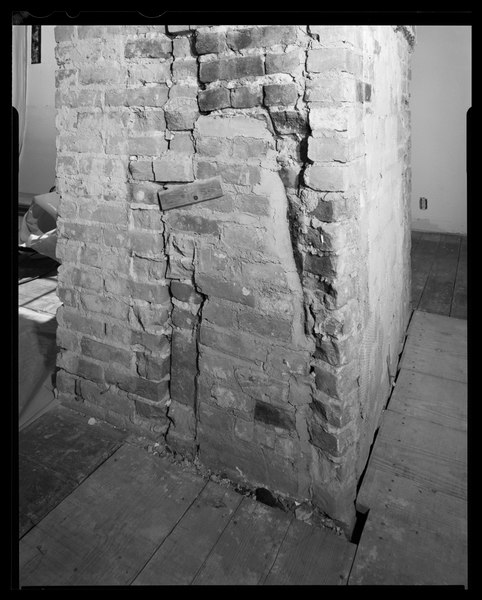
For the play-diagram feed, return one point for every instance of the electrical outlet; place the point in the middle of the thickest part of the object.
(423, 203)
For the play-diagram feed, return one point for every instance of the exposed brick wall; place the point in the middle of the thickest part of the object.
(237, 329)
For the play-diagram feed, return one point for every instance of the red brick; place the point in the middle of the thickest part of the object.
(335, 207)
(105, 306)
(182, 142)
(102, 73)
(159, 47)
(246, 97)
(321, 60)
(227, 290)
(150, 316)
(150, 146)
(173, 167)
(282, 63)
(261, 37)
(253, 205)
(147, 219)
(184, 68)
(152, 367)
(155, 96)
(239, 345)
(274, 415)
(264, 325)
(146, 243)
(231, 68)
(289, 121)
(280, 95)
(185, 292)
(141, 169)
(210, 42)
(105, 352)
(152, 342)
(90, 370)
(327, 178)
(71, 319)
(144, 193)
(183, 368)
(183, 319)
(335, 352)
(152, 390)
(152, 411)
(220, 313)
(214, 99)
(326, 265)
(336, 383)
(91, 280)
(181, 113)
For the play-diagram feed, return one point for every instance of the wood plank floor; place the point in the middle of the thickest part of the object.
(439, 273)
(96, 509)
(139, 519)
(415, 486)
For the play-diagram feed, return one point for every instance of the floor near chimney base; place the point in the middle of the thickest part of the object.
(415, 486)
(100, 510)
(95, 508)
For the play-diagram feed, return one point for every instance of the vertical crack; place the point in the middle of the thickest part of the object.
(197, 335)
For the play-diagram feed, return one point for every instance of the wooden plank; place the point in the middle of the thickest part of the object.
(106, 530)
(311, 556)
(435, 362)
(438, 291)
(443, 336)
(429, 454)
(430, 398)
(416, 236)
(191, 193)
(416, 505)
(422, 258)
(184, 551)
(247, 548)
(390, 553)
(66, 443)
(459, 299)
(428, 323)
(40, 490)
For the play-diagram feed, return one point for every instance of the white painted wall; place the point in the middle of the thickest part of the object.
(440, 98)
(37, 163)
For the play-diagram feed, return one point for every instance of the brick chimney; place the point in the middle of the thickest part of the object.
(234, 240)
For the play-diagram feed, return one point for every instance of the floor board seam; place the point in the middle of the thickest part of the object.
(168, 534)
(216, 542)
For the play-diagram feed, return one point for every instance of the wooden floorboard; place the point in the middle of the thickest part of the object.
(439, 289)
(415, 485)
(459, 300)
(183, 552)
(247, 549)
(311, 556)
(64, 442)
(423, 396)
(106, 531)
(392, 553)
(423, 256)
(438, 350)
(432, 455)
(40, 490)
(437, 363)
(417, 505)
